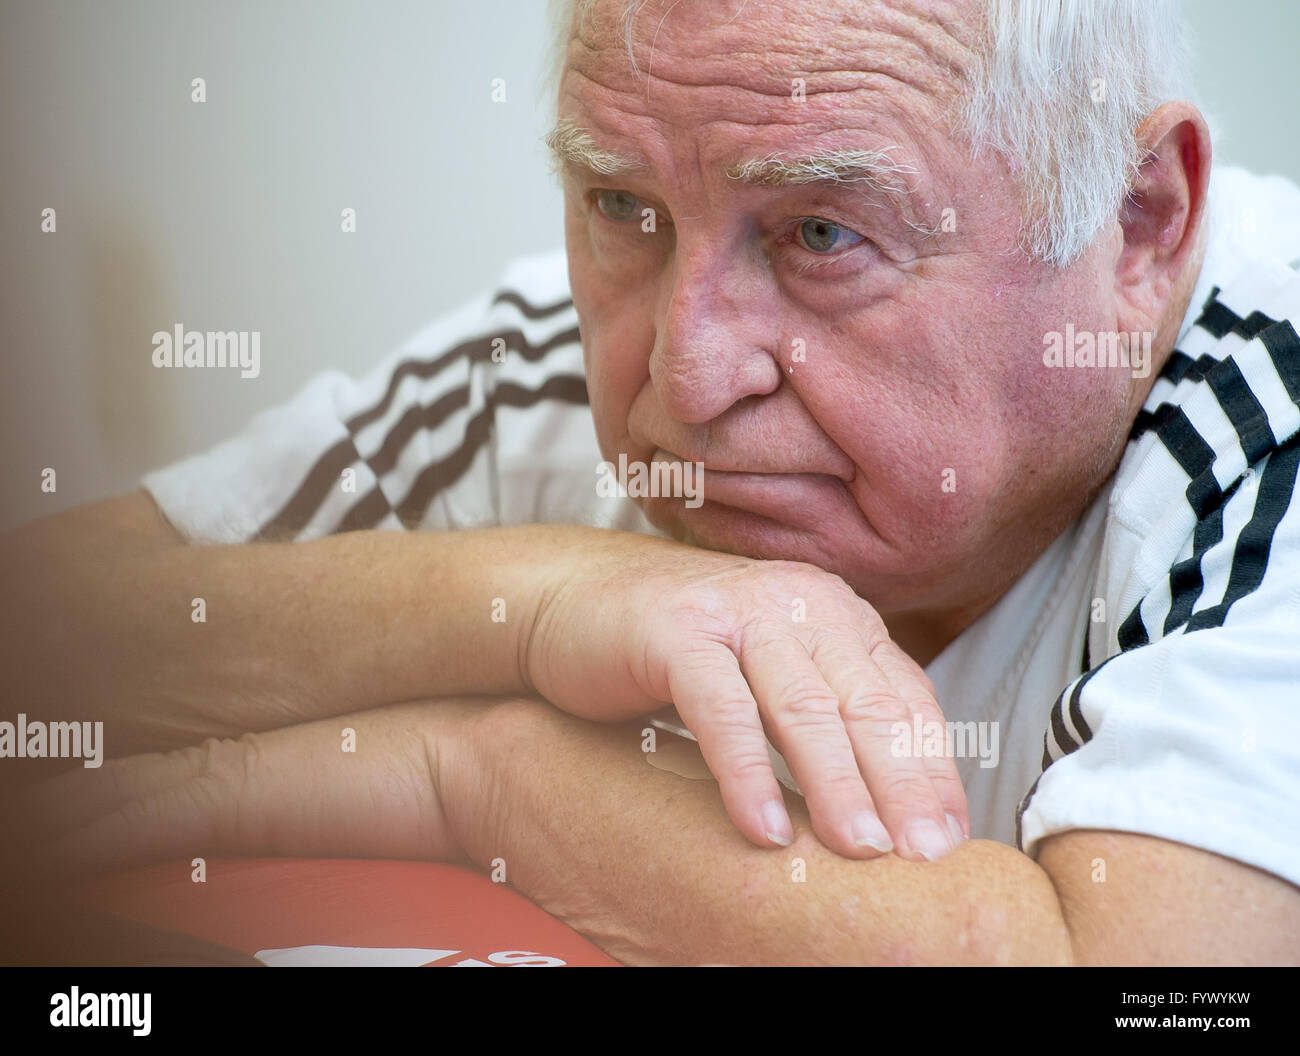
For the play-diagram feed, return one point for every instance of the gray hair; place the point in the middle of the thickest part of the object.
(1057, 90)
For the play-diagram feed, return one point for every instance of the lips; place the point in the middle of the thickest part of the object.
(717, 466)
(786, 497)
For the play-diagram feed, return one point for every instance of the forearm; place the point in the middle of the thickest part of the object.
(296, 792)
(647, 863)
(108, 618)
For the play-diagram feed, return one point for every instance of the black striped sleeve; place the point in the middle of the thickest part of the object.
(421, 397)
(1230, 449)
(411, 443)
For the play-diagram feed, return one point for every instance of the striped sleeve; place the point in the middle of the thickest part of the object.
(1188, 728)
(413, 444)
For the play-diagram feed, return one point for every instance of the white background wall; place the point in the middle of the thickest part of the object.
(226, 215)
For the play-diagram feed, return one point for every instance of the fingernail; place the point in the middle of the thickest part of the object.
(954, 827)
(868, 832)
(927, 839)
(776, 824)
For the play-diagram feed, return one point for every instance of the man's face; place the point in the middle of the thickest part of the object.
(863, 381)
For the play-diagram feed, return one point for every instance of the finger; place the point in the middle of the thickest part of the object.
(802, 713)
(714, 701)
(291, 792)
(191, 818)
(79, 796)
(916, 691)
(870, 709)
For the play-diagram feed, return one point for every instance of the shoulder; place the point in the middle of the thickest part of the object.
(1185, 724)
(415, 441)
(1207, 483)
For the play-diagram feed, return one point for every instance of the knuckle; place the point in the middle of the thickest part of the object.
(700, 609)
(226, 761)
(731, 719)
(870, 706)
(193, 757)
(213, 755)
(799, 576)
(926, 707)
(808, 705)
(762, 632)
(903, 789)
(872, 624)
(703, 656)
(834, 591)
(744, 766)
(833, 639)
(217, 792)
(807, 570)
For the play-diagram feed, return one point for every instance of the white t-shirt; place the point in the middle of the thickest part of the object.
(1180, 718)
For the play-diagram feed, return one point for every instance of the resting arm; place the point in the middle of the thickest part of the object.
(645, 862)
(99, 622)
(110, 616)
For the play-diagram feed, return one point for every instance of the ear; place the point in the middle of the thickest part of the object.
(1163, 216)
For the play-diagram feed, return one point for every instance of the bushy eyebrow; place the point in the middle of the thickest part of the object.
(571, 145)
(875, 170)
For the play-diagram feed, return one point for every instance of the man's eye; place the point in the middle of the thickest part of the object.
(824, 236)
(617, 205)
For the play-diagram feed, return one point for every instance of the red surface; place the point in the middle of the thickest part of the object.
(260, 904)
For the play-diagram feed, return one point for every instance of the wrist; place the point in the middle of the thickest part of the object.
(558, 563)
(580, 643)
(477, 753)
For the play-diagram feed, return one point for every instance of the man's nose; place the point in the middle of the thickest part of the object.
(715, 338)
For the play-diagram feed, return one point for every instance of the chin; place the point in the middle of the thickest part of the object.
(861, 559)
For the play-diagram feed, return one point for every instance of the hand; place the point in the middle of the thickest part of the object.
(631, 624)
(292, 792)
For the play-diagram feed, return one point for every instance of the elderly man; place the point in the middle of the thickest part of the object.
(904, 331)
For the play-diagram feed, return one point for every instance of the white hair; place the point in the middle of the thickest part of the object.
(1058, 89)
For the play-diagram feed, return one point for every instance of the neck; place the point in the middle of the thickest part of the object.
(924, 635)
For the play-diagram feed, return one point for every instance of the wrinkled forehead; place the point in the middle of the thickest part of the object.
(766, 46)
